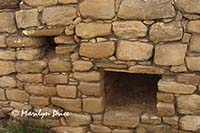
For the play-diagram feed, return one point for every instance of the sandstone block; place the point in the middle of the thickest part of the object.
(39, 101)
(97, 50)
(154, 129)
(122, 131)
(67, 104)
(7, 67)
(170, 54)
(7, 22)
(165, 109)
(190, 123)
(82, 65)
(66, 91)
(27, 18)
(150, 119)
(188, 104)
(160, 32)
(97, 9)
(30, 78)
(65, 40)
(188, 6)
(193, 26)
(3, 41)
(56, 78)
(30, 66)
(59, 15)
(87, 76)
(129, 29)
(63, 129)
(7, 55)
(127, 50)
(76, 120)
(193, 63)
(40, 90)
(194, 43)
(93, 105)
(7, 81)
(188, 78)
(99, 128)
(173, 87)
(65, 51)
(151, 9)
(36, 3)
(2, 94)
(173, 121)
(67, 1)
(17, 95)
(121, 119)
(59, 65)
(91, 89)
(90, 30)
(165, 97)
(146, 69)
(9, 4)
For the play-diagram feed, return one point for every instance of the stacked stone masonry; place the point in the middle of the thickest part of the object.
(53, 55)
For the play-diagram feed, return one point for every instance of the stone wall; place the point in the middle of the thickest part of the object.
(90, 37)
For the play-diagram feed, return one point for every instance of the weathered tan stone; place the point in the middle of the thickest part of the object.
(67, 1)
(9, 4)
(180, 68)
(66, 91)
(66, 129)
(121, 119)
(188, 6)
(91, 89)
(43, 32)
(193, 63)
(150, 119)
(2, 94)
(165, 109)
(87, 76)
(99, 128)
(165, 97)
(97, 9)
(97, 50)
(30, 54)
(122, 131)
(173, 87)
(67, 104)
(82, 65)
(127, 50)
(194, 43)
(129, 29)
(188, 78)
(7, 22)
(186, 37)
(94, 105)
(173, 121)
(78, 120)
(109, 64)
(30, 66)
(7, 81)
(90, 30)
(188, 104)
(65, 40)
(39, 101)
(27, 18)
(59, 15)
(151, 9)
(17, 95)
(59, 65)
(30, 78)
(3, 41)
(170, 54)
(146, 69)
(36, 3)
(41, 90)
(154, 129)
(193, 26)
(7, 67)
(166, 32)
(7, 55)
(65, 51)
(190, 123)
(56, 78)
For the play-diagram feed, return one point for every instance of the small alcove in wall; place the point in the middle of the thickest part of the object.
(131, 92)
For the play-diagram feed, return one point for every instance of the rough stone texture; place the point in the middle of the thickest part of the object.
(78, 120)
(188, 78)
(166, 32)
(63, 129)
(27, 18)
(193, 63)
(194, 26)
(91, 89)
(188, 6)
(56, 78)
(64, 40)
(194, 43)
(170, 54)
(3, 41)
(151, 9)
(129, 29)
(121, 119)
(7, 55)
(97, 50)
(150, 119)
(146, 69)
(65, 51)
(122, 131)
(67, 104)
(97, 9)
(30, 66)
(7, 67)
(87, 76)
(165, 97)
(188, 104)
(127, 50)
(40, 3)
(17, 95)
(173, 121)
(99, 128)
(165, 109)
(154, 129)
(81, 65)
(2, 94)
(173, 87)
(59, 65)
(90, 30)
(40, 90)
(7, 81)
(9, 4)
(39, 101)
(7, 22)
(66, 91)
(58, 15)
(67, 1)
(30, 78)
(191, 123)
(93, 105)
